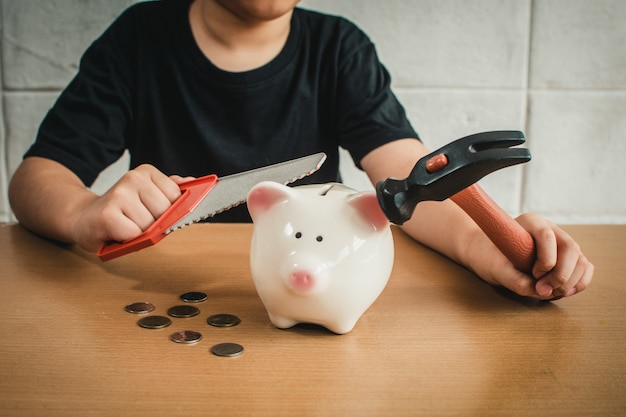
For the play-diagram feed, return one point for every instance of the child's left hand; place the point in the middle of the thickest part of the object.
(560, 269)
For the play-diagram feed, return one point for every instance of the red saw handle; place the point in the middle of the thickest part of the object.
(507, 234)
(193, 192)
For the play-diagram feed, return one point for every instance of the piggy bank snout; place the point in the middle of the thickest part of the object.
(305, 279)
(301, 280)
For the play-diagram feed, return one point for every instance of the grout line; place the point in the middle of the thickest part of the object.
(5, 209)
(405, 87)
(57, 90)
(523, 175)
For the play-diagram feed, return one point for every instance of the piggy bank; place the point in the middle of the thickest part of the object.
(320, 254)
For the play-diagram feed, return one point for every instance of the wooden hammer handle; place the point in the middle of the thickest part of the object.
(507, 234)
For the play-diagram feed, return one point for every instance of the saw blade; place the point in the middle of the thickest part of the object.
(232, 190)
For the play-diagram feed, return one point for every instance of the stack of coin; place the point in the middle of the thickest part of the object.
(142, 307)
(223, 320)
(183, 311)
(193, 297)
(227, 349)
(154, 322)
(186, 337)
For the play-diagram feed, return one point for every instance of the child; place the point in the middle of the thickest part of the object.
(192, 87)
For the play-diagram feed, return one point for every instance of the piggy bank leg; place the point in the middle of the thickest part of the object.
(281, 322)
(341, 327)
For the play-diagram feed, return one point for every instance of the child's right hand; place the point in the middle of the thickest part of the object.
(140, 197)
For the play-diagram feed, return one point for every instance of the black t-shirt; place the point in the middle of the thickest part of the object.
(145, 86)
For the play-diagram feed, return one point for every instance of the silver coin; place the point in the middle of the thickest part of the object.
(227, 349)
(142, 307)
(186, 336)
(183, 311)
(154, 322)
(193, 297)
(223, 320)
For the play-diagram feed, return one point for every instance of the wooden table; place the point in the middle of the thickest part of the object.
(438, 341)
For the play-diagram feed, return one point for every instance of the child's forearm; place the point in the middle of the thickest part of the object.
(45, 197)
(444, 227)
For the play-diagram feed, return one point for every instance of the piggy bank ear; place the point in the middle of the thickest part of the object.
(367, 206)
(264, 196)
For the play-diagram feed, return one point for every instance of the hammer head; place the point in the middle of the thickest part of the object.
(450, 169)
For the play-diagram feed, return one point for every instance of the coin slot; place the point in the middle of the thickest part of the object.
(325, 190)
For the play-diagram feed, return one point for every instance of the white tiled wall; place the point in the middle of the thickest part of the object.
(555, 69)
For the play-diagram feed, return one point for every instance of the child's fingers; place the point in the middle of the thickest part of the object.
(545, 240)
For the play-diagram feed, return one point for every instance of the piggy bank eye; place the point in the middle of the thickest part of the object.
(319, 238)
(298, 235)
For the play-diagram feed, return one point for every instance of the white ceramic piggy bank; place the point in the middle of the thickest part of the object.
(320, 254)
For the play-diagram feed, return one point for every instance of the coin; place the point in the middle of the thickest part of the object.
(183, 311)
(223, 320)
(227, 349)
(186, 337)
(193, 297)
(142, 307)
(154, 322)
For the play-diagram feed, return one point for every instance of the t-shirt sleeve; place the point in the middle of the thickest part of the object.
(84, 130)
(369, 114)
